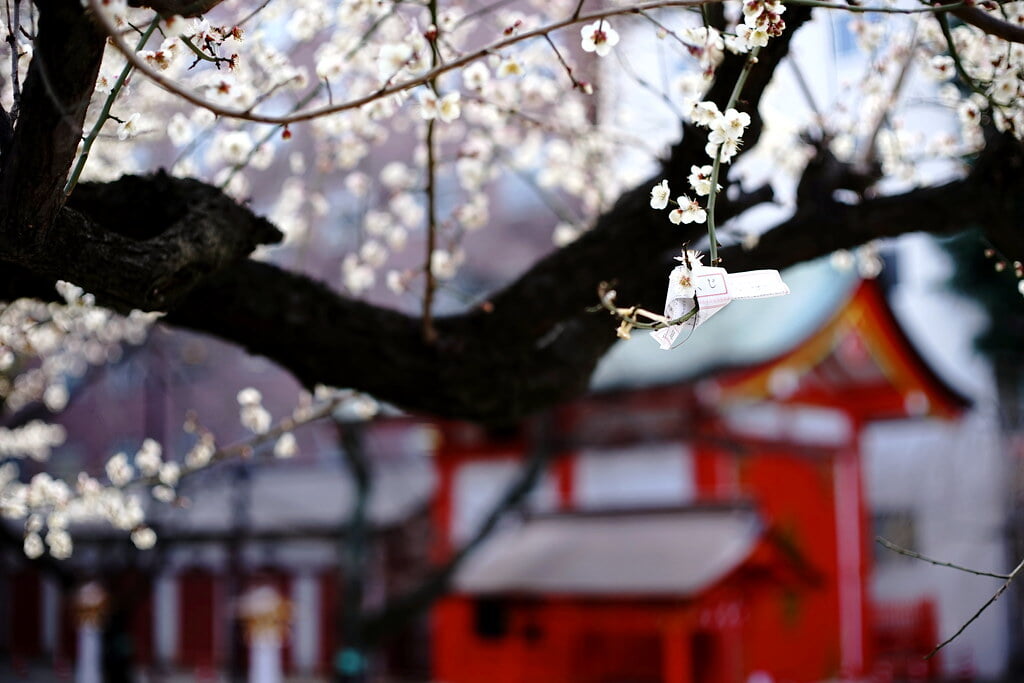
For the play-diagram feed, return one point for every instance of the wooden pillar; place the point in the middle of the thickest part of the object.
(851, 563)
(442, 508)
(563, 471)
(677, 663)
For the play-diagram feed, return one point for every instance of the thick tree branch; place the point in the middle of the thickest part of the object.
(184, 8)
(60, 81)
(991, 198)
(535, 344)
(145, 242)
(992, 25)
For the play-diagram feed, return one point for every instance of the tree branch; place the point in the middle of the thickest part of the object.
(534, 343)
(59, 84)
(992, 25)
(990, 197)
(184, 8)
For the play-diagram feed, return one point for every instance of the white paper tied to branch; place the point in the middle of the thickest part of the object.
(712, 288)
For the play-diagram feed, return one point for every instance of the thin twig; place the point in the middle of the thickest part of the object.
(1007, 579)
(1002, 589)
(429, 332)
(716, 167)
(629, 315)
(669, 32)
(253, 13)
(805, 89)
(13, 25)
(885, 543)
(105, 113)
(883, 114)
(955, 54)
(246, 447)
(561, 60)
(172, 87)
(862, 9)
(646, 85)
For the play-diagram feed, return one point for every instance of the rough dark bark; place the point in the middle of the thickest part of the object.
(534, 345)
(60, 82)
(183, 8)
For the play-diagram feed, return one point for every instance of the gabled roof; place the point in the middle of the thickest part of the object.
(673, 552)
(860, 359)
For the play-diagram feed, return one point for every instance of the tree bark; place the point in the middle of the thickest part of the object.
(533, 345)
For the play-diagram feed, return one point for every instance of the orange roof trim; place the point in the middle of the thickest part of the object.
(913, 385)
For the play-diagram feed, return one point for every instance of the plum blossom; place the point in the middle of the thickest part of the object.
(565, 233)
(660, 195)
(449, 109)
(33, 545)
(144, 538)
(729, 126)
(446, 108)
(476, 76)
(393, 57)
(509, 67)
(286, 446)
(129, 128)
(689, 260)
(704, 113)
(688, 211)
(599, 37)
(700, 180)
(118, 470)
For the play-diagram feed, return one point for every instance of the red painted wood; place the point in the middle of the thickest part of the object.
(25, 611)
(197, 624)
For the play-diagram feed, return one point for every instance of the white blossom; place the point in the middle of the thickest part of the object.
(660, 195)
(144, 538)
(129, 127)
(286, 446)
(688, 211)
(599, 37)
(119, 472)
(33, 546)
(700, 180)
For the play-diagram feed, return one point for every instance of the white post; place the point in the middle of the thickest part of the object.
(87, 667)
(90, 604)
(266, 616)
(265, 658)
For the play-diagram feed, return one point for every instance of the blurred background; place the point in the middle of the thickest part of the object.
(706, 515)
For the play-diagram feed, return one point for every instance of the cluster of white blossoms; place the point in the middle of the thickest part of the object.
(726, 134)
(50, 507)
(44, 346)
(43, 349)
(687, 210)
(725, 129)
(252, 414)
(498, 117)
(994, 66)
(761, 21)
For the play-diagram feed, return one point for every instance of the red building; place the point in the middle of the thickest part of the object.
(711, 530)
